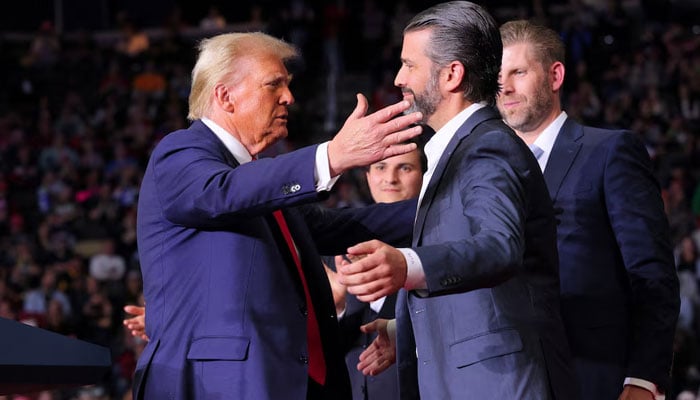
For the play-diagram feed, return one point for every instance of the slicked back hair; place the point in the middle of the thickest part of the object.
(465, 32)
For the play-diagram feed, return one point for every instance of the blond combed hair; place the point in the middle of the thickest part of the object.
(547, 45)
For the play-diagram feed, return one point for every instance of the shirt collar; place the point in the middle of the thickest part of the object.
(236, 148)
(546, 139)
(438, 142)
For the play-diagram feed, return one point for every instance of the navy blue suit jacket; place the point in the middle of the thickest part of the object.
(488, 326)
(619, 287)
(226, 308)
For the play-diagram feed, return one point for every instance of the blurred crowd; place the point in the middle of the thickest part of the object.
(80, 112)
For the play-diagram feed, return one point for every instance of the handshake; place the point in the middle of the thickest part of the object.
(371, 270)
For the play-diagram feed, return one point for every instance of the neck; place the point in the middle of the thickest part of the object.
(446, 111)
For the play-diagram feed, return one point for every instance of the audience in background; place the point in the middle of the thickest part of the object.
(79, 115)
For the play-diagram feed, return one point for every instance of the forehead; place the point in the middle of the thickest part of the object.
(261, 66)
(414, 44)
(412, 158)
(517, 54)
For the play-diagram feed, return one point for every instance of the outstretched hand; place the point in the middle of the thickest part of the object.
(366, 139)
(381, 353)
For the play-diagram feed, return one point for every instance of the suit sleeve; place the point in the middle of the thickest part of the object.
(483, 245)
(197, 188)
(334, 230)
(637, 217)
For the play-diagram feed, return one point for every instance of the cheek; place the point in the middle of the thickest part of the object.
(412, 184)
(373, 180)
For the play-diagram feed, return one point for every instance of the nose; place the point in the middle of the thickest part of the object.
(399, 80)
(391, 175)
(287, 97)
(506, 86)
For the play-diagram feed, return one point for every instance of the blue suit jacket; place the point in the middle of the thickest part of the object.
(488, 326)
(619, 287)
(226, 309)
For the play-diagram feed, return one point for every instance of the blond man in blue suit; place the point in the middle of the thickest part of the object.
(235, 303)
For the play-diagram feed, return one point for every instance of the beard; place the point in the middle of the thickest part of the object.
(426, 101)
(530, 116)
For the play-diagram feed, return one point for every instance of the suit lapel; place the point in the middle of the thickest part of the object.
(292, 219)
(565, 149)
(198, 127)
(472, 122)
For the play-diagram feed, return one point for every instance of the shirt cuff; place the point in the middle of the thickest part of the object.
(644, 384)
(391, 331)
(415, 276)
(322, 171)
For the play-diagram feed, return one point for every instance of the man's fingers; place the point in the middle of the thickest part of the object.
(369, 327)
(404, 121)
(389, 112)
(404, 135)
(361, 107)
(398, 149)
(370, 291)
(364, 248)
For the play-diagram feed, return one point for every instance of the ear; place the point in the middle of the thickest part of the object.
(454, 75)
(223, 98)
(556, 76)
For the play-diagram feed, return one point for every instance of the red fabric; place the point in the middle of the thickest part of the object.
(317, 364)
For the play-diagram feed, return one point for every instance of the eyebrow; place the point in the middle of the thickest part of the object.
(276, 79)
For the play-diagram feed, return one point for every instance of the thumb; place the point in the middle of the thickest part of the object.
(361, 107)
(364, 248)
(369, 328)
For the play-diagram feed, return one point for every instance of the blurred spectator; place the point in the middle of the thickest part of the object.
(106, 265)
(37, 301)
(214, 20)
(133, 41)
(45, 47)
(149, 81)
(688, 267)
(686, 395)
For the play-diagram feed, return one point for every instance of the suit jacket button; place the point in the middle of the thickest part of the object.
(303, 310)
(304, 359)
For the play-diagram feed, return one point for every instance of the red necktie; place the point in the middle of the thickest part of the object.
(317, 364)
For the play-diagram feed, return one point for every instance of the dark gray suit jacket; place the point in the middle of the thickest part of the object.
(489, 326)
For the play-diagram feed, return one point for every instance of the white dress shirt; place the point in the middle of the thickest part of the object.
(415, 276)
